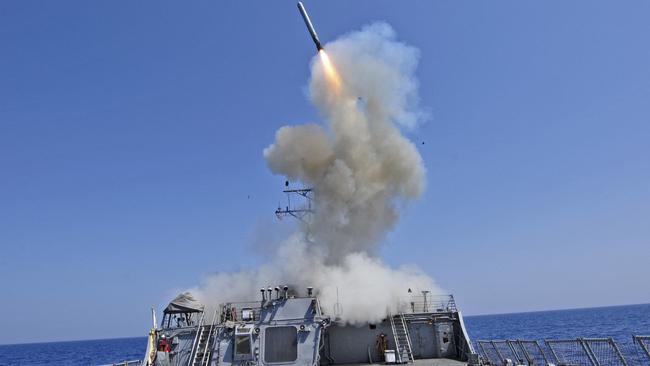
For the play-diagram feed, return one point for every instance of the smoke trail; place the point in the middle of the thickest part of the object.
(361, 168)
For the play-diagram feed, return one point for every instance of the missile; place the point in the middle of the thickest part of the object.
(310, 27)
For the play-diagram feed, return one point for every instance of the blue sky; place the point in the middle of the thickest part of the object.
(131, 137)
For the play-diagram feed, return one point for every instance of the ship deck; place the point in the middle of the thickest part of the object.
(418, 362)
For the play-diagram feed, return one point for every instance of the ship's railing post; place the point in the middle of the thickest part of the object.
(618, 351)
(529, 359)
(639, 341)
(589, 352)
(520, 359)
(549, 345)
(494, 345)
(484, 351)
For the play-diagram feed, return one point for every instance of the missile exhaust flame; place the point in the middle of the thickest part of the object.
(330, 70)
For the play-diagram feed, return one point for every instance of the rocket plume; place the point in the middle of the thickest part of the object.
(330, 71)
(362, 170)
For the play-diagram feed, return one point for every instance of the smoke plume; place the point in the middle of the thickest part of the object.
(362, 170)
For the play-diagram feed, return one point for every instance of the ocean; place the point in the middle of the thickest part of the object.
(619, 322)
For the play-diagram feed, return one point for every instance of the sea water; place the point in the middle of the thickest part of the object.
(619, 322)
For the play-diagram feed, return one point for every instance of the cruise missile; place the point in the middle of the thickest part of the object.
(310, 27)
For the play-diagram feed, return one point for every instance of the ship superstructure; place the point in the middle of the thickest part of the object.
(289, 328)
(285, 328)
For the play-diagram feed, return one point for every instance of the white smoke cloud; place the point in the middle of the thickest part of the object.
(361, 169)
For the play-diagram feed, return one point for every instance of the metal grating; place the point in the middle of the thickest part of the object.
(586, 352)
(533, 352)
(605, 352)
(489, 353)
(642, 344)
(507, 352)
(566, 352)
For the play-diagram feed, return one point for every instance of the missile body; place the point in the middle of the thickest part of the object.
(310, 27)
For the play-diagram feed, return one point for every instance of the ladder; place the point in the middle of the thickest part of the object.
(403, 350)
(202, 349)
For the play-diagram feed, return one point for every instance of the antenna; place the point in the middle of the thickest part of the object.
(153, 316)
(301, 212)
(425, 307)
(337, 307)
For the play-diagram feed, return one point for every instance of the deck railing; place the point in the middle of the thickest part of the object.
(427, 304)
(411, 304)
(643, 344)
(566, 352)
(126, 363)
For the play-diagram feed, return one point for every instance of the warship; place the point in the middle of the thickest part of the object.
(285, 325)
